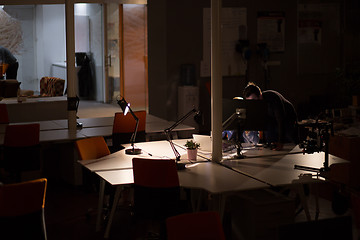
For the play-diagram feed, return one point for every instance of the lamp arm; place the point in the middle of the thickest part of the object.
(133, 136)
(181, 120)
(168, 132)
(169, 139)
(229, 121)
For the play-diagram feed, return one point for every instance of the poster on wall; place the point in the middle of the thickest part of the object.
(310, 24)
(271, 30)
(234, 28)
(309, 31)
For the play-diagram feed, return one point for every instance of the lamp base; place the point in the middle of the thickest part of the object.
(180, 166)
(133, 151)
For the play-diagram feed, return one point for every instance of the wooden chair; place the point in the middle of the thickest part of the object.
(156, 191)
(22, 210)
(4, 116)
(124, 126)
(199, 225)
(21, 149)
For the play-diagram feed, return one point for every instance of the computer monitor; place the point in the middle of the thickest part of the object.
(250, 114)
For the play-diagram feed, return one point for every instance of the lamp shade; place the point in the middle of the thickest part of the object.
(124, 105)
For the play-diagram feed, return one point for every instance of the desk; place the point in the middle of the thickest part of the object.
(278, 170)
(120, 160)
(262, 168)
(57, 130)
(116, 169)
(34, 109)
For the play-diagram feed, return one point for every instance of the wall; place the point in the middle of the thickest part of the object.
(306, 71)
(27, 66)
(50, 37)
(45, 43)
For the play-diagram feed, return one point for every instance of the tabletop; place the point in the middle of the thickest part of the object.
(277, 167)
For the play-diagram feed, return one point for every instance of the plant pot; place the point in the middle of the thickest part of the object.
(192, 153)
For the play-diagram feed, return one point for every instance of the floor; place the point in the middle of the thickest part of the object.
(70, 211)
(92, 109)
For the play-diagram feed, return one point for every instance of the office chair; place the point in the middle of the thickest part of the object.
(91, 148)
(4, 117)
(156, 191)
(22, 210)
(198, 225)
(94, 148)
(21, 150)
(123, 128)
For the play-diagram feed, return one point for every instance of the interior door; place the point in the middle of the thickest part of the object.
(112, 52)
(125, 44)
(134, 55)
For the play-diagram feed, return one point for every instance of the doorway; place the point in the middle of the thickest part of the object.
(126, 54)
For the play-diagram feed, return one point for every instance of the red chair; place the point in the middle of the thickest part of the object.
(124, 126)
(21, 149)
(156, 191)
(22, 210)
(199, 225)
(4, 117)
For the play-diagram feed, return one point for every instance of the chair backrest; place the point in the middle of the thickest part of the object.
(4, 116)
(52, 86)
(22, 210)
(22, 198)
(126, 123)
(197, 225)
(22, 149)
(159, 173)
(92, 148)
(156, 188)
(124, 126)
(22, 135)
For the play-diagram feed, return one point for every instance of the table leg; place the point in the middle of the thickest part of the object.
(113, 208)
(100, 204)
(218, 204)
(300, 190)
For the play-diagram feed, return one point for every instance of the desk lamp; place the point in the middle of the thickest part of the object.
(239, 117)
(168, 134)
(126, 108)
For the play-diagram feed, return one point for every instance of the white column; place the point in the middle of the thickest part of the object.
(216, 81)
(70, 60)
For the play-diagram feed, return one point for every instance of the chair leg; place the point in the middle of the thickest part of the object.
(43, 224)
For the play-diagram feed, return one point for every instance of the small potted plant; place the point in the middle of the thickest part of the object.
(192, 148)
